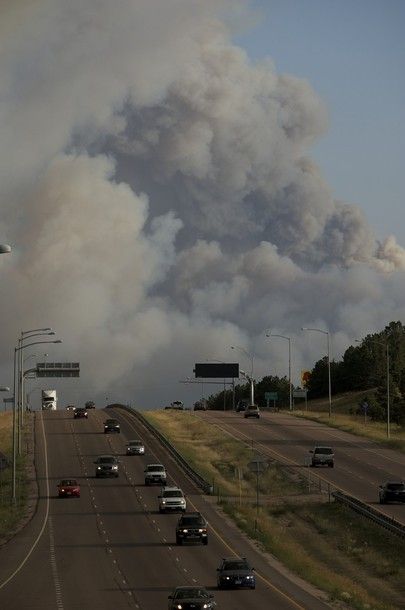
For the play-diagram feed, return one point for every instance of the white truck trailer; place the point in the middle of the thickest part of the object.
(49, 400)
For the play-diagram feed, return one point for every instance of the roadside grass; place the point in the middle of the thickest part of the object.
(220, 459)
(11, 515)
(343, 407)
(353, 561)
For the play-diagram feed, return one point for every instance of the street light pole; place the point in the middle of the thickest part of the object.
(325, 332)
(289, 363)
(18, 349)
(249, 378)
(27, 334)
(388, 391)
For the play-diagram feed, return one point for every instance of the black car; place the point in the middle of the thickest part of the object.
(191, 527)
(191, 598)
(112, 425)
(79, 413)
(242, 406)
(394, 491)
(107, 466)
(235, 572)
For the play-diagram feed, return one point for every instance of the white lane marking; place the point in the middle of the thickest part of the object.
(24, 561)
(54, 567)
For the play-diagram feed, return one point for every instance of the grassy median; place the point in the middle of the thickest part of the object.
(328, 545)
(11, 514)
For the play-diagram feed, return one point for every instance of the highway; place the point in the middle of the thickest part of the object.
(360, 465)
(110, 548)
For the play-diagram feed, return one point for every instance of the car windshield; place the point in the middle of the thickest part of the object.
(190, 593)
(324, 450)
(68, 482)
(173, 494)
(192, 520)
(155, 468)
(111, 421)
(106, 460)
(135, 443)
(396, 486)
(235, 565)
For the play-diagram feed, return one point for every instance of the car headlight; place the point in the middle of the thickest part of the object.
(179, 606)
(185, 531)
(115, 467)
(98, 467)
(249, 577)
(163, 501)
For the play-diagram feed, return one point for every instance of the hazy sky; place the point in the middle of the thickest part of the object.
(353, 54)
(178, 176)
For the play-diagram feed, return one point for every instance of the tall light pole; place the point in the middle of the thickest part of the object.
(248, 354)
(25, 334)
(17, 350)
(251, 357)
(325, 332)
(23, 373)
(269, 334)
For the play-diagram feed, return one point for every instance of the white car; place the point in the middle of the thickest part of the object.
(135, 448)
(155, 474)
(172, 498)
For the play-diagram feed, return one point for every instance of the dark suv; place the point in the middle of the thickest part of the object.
(191, 527)
(79, 413)
(393, 491)
(107, 466)
(235, 572)
(112, 425)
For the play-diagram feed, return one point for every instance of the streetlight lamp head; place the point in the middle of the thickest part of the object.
(57, 341)
(5, 249)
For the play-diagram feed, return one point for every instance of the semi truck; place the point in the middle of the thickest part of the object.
(49, 400)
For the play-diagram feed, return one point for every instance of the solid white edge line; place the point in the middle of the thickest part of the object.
(3, 584)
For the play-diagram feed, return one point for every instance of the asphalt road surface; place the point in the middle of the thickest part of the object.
(110, 549)
(360, 465)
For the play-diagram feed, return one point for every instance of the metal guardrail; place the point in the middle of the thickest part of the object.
(367, 511)
(198, 479)
(358, 506)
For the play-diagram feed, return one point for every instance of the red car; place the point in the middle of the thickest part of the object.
(68, 488)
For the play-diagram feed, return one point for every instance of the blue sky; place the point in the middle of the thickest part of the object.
(353, 54)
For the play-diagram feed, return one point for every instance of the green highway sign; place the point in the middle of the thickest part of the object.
(271, 395)
(58, 369)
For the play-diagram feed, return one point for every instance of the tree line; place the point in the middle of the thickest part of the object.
(364, 366)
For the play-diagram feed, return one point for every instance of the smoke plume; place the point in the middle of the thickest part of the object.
(158, 189)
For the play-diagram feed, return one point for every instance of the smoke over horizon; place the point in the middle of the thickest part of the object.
(159, 193)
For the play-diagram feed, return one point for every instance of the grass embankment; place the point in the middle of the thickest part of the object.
(326, 544)
(10, 514)
(343, 408)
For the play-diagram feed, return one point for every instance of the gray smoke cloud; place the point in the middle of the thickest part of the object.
(158, 190)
